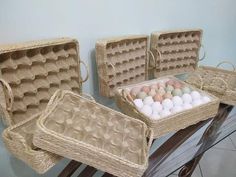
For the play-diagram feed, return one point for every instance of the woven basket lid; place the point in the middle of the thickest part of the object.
(31, 72)
(121, 61)
(175, 52)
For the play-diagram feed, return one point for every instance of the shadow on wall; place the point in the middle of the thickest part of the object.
(94, 73)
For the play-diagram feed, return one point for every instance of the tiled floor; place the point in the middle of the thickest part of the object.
(219, 161)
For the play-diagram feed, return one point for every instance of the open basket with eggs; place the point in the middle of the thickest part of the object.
(168, 104)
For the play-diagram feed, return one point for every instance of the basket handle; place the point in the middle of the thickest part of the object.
(10, 94)
(152, 57)
(224, 82)
(87, 71)
(204, 53)
(199, 77)
(150, 138)
(113, 69)
(227, 62)
(160, 55)
(127, 96)
(54, 97)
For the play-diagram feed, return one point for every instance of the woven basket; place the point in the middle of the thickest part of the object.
(170, 123)
(219, 82)
(174, 52)
(121, 61)
(29, 75)
(93, 134)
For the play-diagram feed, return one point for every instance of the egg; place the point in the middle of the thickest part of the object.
(177, 100)
(152, 92)
(186, 89)
(167, 95)
(154, 86)
(187, 106)
(155, 115)
(187, 98)
(141, 95)
(156, 106)
(161, 84)
(177, 92)
(145, 89)
(169, 88)
(146, 110)
(170, 82)
(148, 100)
(135, 91)
(195, 95)
(205, 99)
(161, 91)
(176, 109)
(167, 103)
(197, 102)
(158, 97)
(177, 85)
(165, 113)
(138, 103)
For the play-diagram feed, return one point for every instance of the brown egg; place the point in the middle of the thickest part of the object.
(158, 97)
(177, 85)
(154, 86)
(145, 89)
(167, 95)
(135, 91)
(170, 82)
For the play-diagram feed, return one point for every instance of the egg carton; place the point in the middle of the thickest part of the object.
(174, 52)
(172, 122)
(79, 129)
(31, 72)
(121, 61)
(217, 81)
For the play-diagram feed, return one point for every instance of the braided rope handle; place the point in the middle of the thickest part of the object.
(87, 71)
(227, 62)
(150, 139)
(125, 94)
(152, 57)
(113, 69)
(204, 53)
(10, 101)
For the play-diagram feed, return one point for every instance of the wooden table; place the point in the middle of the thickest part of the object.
(183, 150)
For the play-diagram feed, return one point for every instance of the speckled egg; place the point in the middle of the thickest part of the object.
(167, 104)
(146, 110)
(186, 89)
(148, 100)
(142, 95)
(177, 92)
(158, 98)
(157, 106)
(145, 89)
(177, 100)
(195, 95)
(187, 98)
(152, 92)
(138, 103)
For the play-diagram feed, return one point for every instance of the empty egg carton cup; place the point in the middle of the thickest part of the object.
(172, 122)
(174, 52)
(79, 129)
(217, 81)
(30, 73)
(121, 61)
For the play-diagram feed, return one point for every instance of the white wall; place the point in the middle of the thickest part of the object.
(89, 20)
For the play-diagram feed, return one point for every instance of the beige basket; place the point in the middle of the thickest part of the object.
(170, 123)
(79, 129)
(174, 52)
(30, 73)
(219, 82)
(121, 61)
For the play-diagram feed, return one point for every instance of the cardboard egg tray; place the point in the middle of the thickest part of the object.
(30, 73)
(173, 122)
(79, 129)
(174, 52)
(121, 61)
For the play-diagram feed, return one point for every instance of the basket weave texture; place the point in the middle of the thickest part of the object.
(217, 81)
(79, 129)
(121, 61)
(170, 123)
(29, 75)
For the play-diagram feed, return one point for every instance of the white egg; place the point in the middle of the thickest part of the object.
(187, 106)
(176, 109)
(167, 103)
(155, 115)
(156, 106)
(197, 102)
(187, 98)
(138, 103)
(165, 113)
(148, 100)
(205, 99)
(195, 95)
(146, 110)
(177, 100)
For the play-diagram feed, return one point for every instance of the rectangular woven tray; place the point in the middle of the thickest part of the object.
(121, 61)
(171, 123)
(79, 129)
